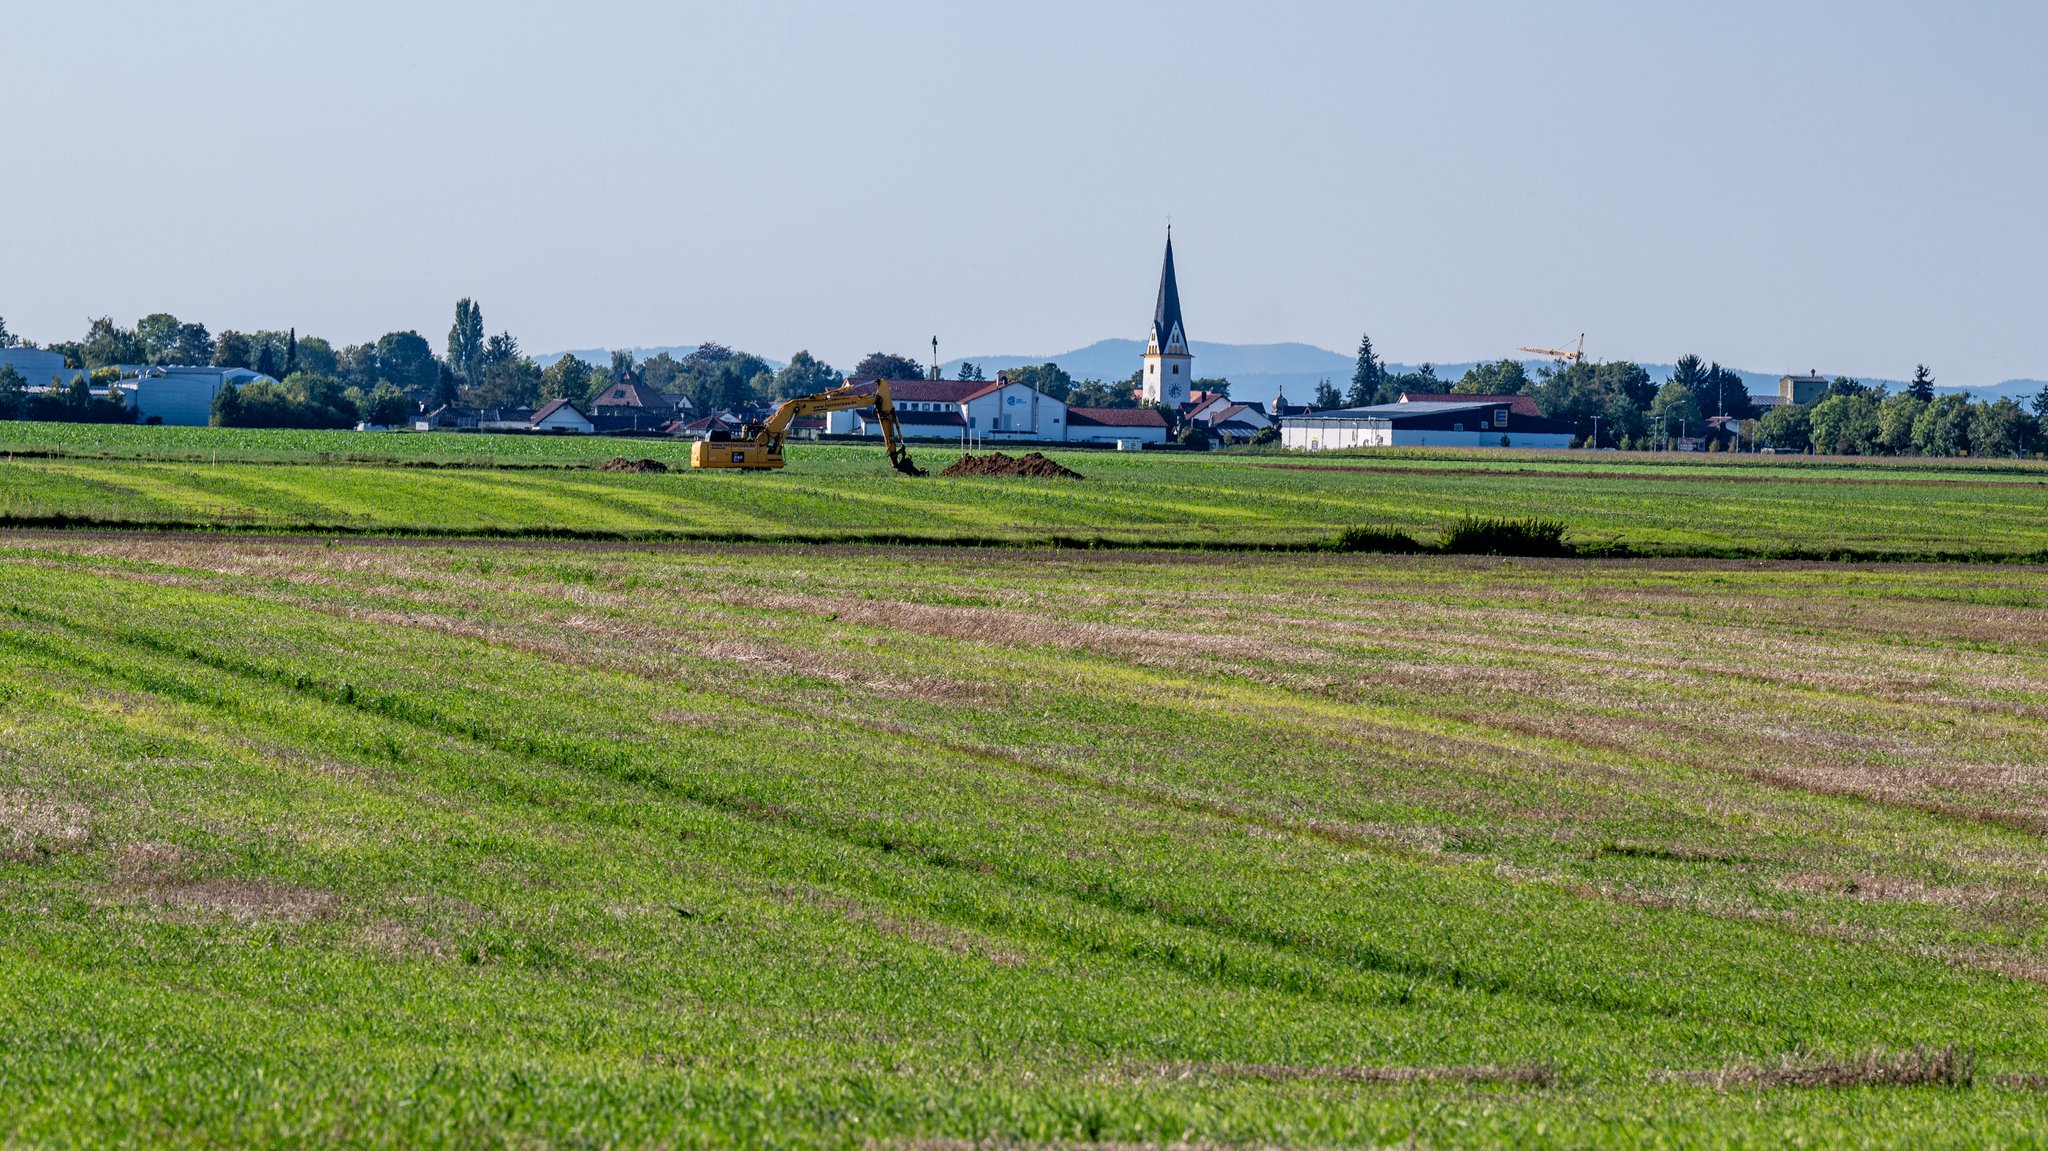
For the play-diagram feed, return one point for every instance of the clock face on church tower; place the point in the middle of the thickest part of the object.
(1173, 391)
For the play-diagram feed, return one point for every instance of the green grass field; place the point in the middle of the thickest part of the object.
(348, 483)
(490, 844)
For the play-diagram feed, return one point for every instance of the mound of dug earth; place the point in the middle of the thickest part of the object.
(998, 464)
(622, 464)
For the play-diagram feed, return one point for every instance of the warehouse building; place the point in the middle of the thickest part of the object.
(1488, 424)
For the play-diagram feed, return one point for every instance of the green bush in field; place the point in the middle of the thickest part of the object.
(1474, 535)
(1375, 539)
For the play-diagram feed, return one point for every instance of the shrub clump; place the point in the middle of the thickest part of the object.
(1473, 535)
(1385, 540)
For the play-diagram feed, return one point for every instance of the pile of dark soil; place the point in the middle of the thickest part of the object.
(622, 464)
(998, 464)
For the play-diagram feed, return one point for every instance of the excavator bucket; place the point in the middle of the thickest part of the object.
(902, 463)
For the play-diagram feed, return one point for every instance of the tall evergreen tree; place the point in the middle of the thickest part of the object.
(466, 341)
(2040, 405)
(291, 351)
(1367, 377)
(1326, 397)
(1922, 387)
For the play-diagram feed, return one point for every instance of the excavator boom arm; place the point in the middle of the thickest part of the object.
(841, 399)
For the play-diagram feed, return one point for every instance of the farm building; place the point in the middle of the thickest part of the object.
(1470, 425)
(1116, 425)
(946, 409)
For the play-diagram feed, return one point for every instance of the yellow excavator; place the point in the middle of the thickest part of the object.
(759, 446)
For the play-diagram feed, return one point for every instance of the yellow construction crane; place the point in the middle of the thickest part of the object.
(1574, 354)
(759, 446)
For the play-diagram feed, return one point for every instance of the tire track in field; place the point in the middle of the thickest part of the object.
(577, 756)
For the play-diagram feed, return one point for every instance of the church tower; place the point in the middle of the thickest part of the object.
(1169, 366)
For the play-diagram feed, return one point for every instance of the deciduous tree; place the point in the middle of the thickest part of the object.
(1675, 403)
(1999, 428)
(12, 385)
(887, 366)
(407, 360)
(568, 379)
(1943, 427)
(1326, 397)
(1786, 427)
(1847, 424)
(1895, 417)
(1499, 378)
(805, 375)
(107, 344)
(231, 349)
(466, 341)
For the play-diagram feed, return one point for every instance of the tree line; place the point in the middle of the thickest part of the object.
(312, 384)
(1618, 404)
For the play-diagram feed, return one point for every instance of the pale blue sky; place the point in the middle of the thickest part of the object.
(1851, 186)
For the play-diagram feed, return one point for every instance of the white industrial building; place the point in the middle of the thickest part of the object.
(997, 411)
(1487, 424)
(180, 395)
(38, 368)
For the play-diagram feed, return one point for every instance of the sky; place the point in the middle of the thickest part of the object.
(1853, 187)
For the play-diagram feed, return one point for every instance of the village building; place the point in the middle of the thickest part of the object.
(561, 417)
(996, 409)
(558, 416)
(628, 405)
(1124, 427)
(1801, 389)
(1489, 424)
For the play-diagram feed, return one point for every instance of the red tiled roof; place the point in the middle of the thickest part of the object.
(948, 419)
(1520, 405)
(1116, 417)
(936, 391)
(930, 391)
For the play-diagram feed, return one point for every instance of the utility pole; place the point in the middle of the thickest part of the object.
(1596, 433)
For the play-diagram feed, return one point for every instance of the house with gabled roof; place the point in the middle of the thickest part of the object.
(998, 409)
(627, 405)
(562, 417)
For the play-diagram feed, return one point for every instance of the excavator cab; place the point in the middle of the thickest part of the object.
(759, 446)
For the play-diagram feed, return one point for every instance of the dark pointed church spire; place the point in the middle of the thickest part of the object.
(1166, 322)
